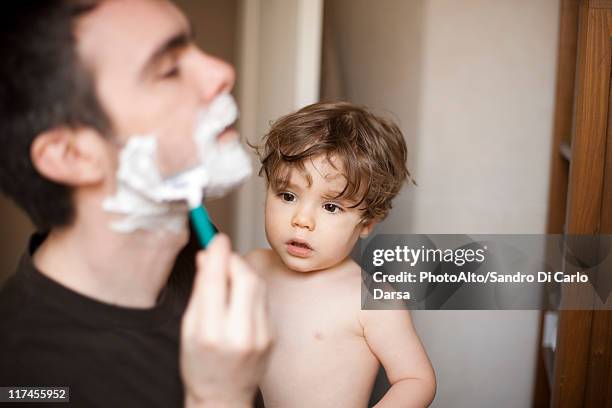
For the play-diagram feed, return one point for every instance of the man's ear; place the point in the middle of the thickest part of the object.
(367, 227)
(74, 157)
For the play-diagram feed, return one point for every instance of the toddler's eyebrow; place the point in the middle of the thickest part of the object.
(283, 183)
(332, 194)
(287, 183)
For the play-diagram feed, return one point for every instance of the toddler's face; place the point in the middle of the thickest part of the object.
(306, 226)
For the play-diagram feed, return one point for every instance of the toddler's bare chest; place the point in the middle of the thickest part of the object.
(313, 317)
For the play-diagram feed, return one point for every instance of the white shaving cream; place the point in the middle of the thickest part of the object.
(148, 201)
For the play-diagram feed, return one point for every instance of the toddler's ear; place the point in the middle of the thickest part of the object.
(367, 227)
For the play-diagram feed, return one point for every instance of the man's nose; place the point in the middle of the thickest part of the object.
(214, 76)
(303, 219)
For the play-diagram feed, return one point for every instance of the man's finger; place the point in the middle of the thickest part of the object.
(241, 315)
(210, 287)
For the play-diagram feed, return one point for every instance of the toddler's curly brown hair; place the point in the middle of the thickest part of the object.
(371, 150)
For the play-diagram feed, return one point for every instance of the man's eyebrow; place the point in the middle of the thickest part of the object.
(175, 42)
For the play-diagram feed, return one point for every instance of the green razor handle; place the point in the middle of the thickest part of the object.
(202, 225)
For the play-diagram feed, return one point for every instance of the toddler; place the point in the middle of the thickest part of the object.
(332, 170)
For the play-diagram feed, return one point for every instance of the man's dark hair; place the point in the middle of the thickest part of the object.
(43, 86)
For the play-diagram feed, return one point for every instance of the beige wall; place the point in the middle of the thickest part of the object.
(472, 85)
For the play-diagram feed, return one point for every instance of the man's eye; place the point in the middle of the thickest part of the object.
(332, 208)
(171, 73)
(289, 197)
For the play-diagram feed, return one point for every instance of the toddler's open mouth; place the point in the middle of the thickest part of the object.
(299, 248)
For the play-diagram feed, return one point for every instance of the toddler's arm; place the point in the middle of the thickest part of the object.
(393, 339)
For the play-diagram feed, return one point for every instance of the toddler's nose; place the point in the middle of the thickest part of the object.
(302, 220)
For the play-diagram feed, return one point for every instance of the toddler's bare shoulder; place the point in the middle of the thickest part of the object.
(347, 296)
(348, 285)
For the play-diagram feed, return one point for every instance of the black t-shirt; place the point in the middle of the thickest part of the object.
(109, 356)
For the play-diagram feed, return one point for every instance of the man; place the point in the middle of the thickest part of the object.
(88, 307)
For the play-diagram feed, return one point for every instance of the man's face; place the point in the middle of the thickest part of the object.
(149, 75)
(305, 225)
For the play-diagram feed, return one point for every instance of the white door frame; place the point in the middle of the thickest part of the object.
(278, 71)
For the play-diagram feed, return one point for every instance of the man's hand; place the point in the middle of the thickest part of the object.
(225, 336)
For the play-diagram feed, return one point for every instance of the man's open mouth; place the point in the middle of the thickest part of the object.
(228, 134)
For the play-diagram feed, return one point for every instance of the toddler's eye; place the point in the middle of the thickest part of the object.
(286, 196)
(332, 208)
